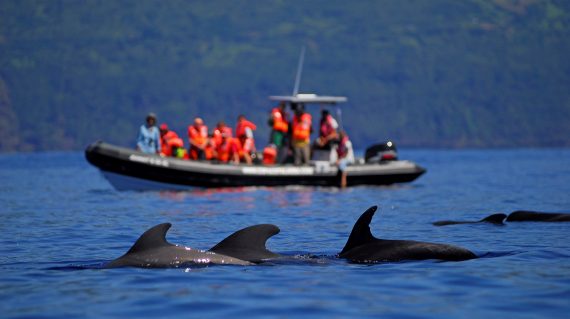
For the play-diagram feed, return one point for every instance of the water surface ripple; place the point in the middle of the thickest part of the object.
(61, 220)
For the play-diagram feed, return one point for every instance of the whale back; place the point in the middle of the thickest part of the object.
(531, 216)
(450, 222)
(361, 233)
(494, 219)
(248, 243)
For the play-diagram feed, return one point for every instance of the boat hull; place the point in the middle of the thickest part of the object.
(130, 169)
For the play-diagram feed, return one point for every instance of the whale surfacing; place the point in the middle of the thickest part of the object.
(531, 216)
(516, 216)
(363, 247)
(152, 250)
(248, 243)
(496, 219)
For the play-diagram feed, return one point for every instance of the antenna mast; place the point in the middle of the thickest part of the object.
(299, 71)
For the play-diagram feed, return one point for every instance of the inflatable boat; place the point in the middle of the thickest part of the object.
(128, 169)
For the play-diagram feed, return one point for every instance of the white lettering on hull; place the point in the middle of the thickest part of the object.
(278, 171)
(148, 160)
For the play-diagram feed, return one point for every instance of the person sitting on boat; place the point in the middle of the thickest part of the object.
(279, 131)
(302, 125)
(198, 138)
(221, 128)
(327, 131)
(227, 150)
(148, 140)
(244, 133)
(168, 140)
(345, 156)
(210, 149)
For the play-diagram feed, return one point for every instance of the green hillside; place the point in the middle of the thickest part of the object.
(427, 73)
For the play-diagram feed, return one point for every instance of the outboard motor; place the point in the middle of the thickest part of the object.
(381, 153)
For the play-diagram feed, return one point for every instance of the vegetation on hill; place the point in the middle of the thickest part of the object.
(443, 73)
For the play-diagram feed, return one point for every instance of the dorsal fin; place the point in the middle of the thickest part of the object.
(153, 238)
(494, 219)
(248, 243)
(361, 231)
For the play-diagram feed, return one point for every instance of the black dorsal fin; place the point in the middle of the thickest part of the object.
(155, 237)
(361, 231)
(494, 219)
(248, 243)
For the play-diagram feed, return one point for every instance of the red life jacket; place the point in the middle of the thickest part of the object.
(198, 135)
(279, 120)
(247, 144)
(269, 155)
(218, 134)
(327, 127)
(342, 150)
(226, 149)
(168, 141)
(241, 126)
(302, 127)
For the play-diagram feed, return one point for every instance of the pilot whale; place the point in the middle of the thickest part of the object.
(496, 219)
(244, 247)
(530, 216)
(516, 216)
(362, 247)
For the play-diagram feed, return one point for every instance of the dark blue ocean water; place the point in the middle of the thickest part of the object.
(59, 215)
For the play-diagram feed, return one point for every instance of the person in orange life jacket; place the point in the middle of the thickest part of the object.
(345, 156)
(169, 140)
(227, 149)
(244, 133)
(221, 128)
(279, 125)
(148, 140)
(279, 131)
(327, 131)
(210, 149)
(302, 127)
(198, 138)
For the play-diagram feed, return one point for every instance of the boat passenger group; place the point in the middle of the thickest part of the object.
(289, 140)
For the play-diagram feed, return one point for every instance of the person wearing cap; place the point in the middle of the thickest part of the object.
(198, 138)
(170, 142)
(148, 140)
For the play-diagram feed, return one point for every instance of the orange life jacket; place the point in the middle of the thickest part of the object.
(176, 142)
(269, 155)
(241, 126)
(168, 141)
(217, 136)
(226, 150)
(279, 121)
(209, 151)
(247, 144)
(198, 135)
(302, 127)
